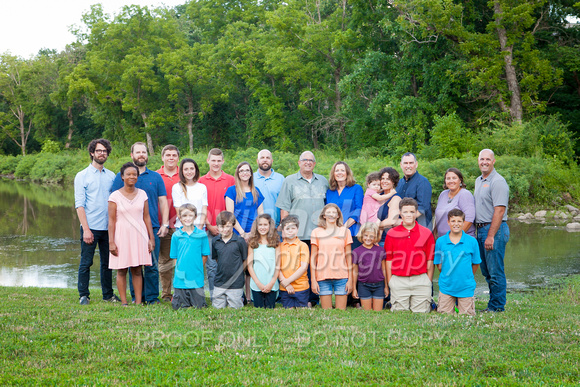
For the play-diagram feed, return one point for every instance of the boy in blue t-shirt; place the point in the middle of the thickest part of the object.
(457, 258)
(190, 246)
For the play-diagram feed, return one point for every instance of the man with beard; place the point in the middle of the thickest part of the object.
(269, 183)
(152, 183)
(92, 186)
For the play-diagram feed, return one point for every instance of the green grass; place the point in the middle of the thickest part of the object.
(48, 339)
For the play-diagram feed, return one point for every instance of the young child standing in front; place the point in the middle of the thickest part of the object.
(330, 259)
(294, 258)
(457, 258)
(369, 269)
(190, 247)
(373, 199)
(264, 261)
(230, 252)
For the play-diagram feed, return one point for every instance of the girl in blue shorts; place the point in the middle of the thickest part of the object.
(330, 258)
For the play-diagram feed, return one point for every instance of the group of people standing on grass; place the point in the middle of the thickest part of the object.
(261, 237)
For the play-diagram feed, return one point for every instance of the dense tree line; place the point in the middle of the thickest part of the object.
(431, 76)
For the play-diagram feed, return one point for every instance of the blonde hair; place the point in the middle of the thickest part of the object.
(368, 227)
(322, 219)
(187, 207)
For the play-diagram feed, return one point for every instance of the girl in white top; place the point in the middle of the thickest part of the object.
(188, 190)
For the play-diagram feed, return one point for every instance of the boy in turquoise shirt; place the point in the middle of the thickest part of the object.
(457, 258)
(190, 247)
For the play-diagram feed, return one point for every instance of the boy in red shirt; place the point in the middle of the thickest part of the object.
(410, 249)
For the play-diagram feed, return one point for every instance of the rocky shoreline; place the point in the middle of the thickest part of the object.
(571, 217)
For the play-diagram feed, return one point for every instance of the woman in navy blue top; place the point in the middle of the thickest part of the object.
(244, 200)
(388, 213)
(347, 195)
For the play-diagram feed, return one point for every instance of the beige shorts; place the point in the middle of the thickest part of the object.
(411, 293)
(466, 305)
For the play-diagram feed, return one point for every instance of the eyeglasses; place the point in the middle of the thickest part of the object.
(244, 171)
(308, 161)
(101, 151)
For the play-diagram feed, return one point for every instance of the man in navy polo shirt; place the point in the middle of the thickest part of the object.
(152, 183)
(417, 187)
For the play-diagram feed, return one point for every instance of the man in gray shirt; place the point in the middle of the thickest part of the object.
(491, 204)
(303, 194)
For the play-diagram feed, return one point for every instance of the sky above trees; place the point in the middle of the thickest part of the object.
(27, 26)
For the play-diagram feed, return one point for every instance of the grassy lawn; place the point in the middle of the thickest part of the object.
(47, 338)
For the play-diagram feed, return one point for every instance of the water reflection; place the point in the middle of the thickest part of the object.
(39, 243)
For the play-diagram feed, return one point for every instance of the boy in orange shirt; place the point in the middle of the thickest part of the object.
(294, 257)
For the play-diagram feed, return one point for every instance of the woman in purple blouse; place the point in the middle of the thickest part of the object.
(454, 196)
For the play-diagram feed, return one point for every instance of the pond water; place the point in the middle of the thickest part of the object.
(39, 243)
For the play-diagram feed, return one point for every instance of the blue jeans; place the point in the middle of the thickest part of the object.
(101, 238)
(264, 300)
(492, 266)
(150, 274)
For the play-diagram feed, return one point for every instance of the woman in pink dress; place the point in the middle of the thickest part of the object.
(131, 238)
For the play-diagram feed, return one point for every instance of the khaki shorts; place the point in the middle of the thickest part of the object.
(466, 305)
(411, 293)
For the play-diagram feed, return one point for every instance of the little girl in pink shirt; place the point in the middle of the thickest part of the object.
(373, 199)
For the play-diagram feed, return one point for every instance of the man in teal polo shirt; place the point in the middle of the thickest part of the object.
(269, 183)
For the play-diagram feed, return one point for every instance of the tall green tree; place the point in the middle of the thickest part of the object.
(17, 112)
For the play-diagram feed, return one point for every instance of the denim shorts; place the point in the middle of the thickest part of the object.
(330, 285)
(368, 290)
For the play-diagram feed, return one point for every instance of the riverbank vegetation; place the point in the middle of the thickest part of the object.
(430, 76)
(535, 182)
(49, 339)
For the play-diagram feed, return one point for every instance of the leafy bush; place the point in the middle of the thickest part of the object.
(449, 138)
(8, 164)
(50, 146)
(25, 166)
(544, 136)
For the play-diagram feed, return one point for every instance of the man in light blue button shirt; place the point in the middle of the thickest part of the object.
(92, 186)
(269, 183)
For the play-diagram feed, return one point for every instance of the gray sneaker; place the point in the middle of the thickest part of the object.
(114, 298)
(84, 300)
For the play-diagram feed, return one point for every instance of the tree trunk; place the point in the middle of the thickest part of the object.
(148, 135)
(338, 105)
(70, 127)
(515, 109)
(190, 122)
(577, 81)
